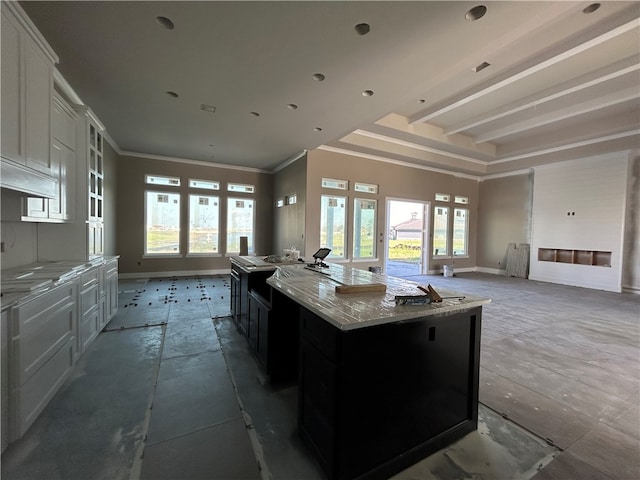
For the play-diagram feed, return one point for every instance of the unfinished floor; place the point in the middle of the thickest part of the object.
(171, 391)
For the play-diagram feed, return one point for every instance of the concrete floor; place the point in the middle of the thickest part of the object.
(170, 391)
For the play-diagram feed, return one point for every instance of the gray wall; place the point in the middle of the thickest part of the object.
(394, 181)
(289, 220)
(131, 173)
(504, 216)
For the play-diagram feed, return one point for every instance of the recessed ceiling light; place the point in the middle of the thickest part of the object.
(367, 93)
(207, 108)
(165, 22)
(476, 13)
(362, 28)
(317, 129)
(255, 114)
(591, 8)
(422, 100)
(480, 67)
(318, 76)
(171, 94)
(292, 106)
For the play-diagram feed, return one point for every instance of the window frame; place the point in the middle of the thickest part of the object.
(345, 239)
(216, 253)
(374, 254)
(146, 253)
(465, 233)
(251, 245)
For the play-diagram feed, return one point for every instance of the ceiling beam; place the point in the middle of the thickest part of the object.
(618, 69)
(510, 77)
(565, 113)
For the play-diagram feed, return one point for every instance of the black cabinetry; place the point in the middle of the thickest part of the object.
(268, 319)
(273, 333)
(375, 400)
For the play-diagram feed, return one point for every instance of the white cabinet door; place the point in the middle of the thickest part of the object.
(11, 117)
(64, 162)
(38, 90)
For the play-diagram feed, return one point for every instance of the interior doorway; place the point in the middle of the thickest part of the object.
(406, 246)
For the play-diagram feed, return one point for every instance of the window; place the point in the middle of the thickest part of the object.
(460, 199)
(204, 184)
(162, 180)
(337, 184)
(442, 197)
(237, 187)
(440, 231)
(240, 223)
(162, 223)
(365, 187)
(460, 231)
(364, 228)
(333, 215)
(280, 203)
(291, 199)
(203, 224)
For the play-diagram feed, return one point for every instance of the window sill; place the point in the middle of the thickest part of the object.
(367, 260)
(200, 255)
(162, 255)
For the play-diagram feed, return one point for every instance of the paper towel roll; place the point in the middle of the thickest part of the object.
(244, 246)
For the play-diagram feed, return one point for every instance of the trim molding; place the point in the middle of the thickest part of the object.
(192, 162)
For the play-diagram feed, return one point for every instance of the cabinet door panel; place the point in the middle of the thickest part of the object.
(38, 75)
(11, 118)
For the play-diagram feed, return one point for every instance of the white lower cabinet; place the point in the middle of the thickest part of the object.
(42, 343)
(43, 337)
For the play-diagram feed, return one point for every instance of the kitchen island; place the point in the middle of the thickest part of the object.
(380, 386)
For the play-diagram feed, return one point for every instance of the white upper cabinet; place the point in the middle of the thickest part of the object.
(27, 86)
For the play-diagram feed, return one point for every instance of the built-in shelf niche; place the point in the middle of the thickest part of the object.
(578, 257)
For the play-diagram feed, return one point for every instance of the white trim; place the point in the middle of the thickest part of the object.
(632, 290)
(191, 162)
(377, 158)
(417, 146)
(494, 271)
(568, 146)
(523, 171)
(176, 273)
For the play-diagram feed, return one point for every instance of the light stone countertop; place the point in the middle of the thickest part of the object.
(316, 292)
(26, 282)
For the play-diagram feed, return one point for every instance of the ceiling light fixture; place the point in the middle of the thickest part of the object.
(255, 114)
(367, 93)
(362, 28)
(318, 77)
(165, 22)
(172, 94)
(317, 129)
(422, 100)
(480, 67)
(476, 13)
(591, 8)
(292, 106)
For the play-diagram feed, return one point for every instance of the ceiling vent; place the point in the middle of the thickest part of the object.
(480, 67)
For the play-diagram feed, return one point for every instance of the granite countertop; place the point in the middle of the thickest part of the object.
(258, 263)
(346, 311)
(23, 283)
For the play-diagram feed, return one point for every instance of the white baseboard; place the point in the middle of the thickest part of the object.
(629, 289)
(178, 273)
(494, 271)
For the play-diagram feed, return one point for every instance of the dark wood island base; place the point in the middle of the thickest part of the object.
(376, 400)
